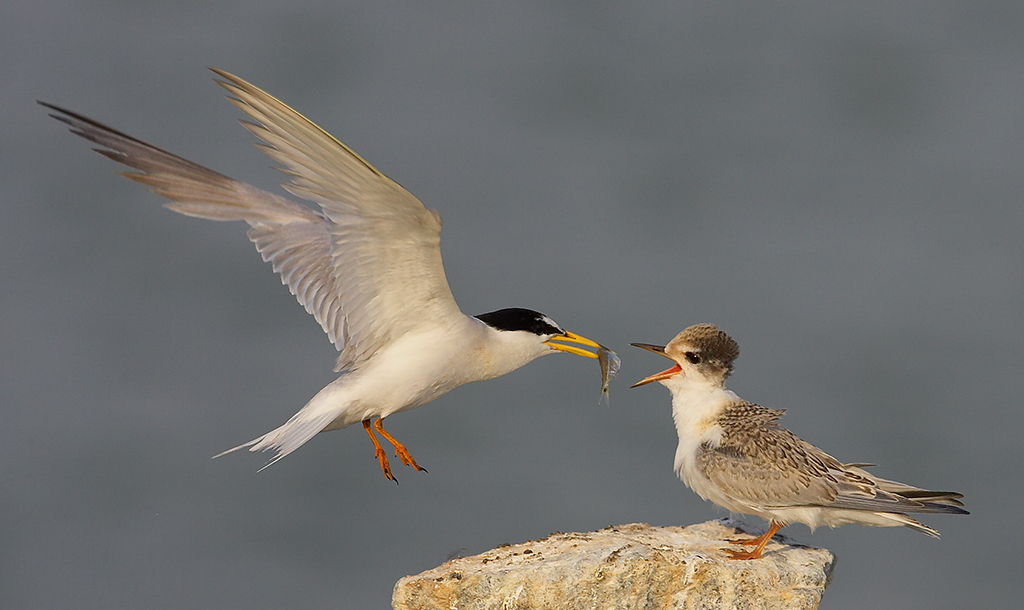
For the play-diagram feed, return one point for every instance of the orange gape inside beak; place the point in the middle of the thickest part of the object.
(659, 376)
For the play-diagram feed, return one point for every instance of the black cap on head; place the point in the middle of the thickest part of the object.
(517, 318)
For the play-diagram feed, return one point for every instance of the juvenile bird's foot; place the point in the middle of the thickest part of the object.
(744, 555)
(758, 543)
(746, 541)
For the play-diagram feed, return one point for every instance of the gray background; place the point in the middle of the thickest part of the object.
(839, 188)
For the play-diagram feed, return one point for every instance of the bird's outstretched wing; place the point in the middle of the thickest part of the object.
(368, 266)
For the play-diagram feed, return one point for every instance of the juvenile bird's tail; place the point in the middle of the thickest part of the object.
(936, 501)
(910, 499)
(931, 501)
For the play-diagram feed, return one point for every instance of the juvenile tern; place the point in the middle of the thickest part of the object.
(733, 453)
(367, 266)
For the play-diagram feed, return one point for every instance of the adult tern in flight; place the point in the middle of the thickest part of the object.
(367, 265)
(733, 453)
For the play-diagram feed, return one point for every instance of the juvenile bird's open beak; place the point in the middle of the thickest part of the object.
(657, 349)
(569, 337)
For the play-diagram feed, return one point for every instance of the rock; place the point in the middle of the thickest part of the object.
(626, 566)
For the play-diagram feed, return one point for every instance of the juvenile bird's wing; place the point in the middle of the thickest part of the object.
(765, 465)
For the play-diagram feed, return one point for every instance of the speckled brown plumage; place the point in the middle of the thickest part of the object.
(734, 453)
(761, 462)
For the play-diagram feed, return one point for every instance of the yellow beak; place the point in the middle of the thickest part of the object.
(569, 337)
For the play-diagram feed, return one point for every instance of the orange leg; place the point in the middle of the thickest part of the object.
(400, 449)
(760, 542)
(379, 452)
(749, 541)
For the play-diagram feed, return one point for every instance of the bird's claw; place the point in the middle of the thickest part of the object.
(384, 465)
(743, 555)
(403, 453)
(758, 543)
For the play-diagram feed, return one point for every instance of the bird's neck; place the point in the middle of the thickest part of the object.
(697, 404)
(497, 353)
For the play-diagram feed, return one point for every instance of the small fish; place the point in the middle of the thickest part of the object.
(609, 368)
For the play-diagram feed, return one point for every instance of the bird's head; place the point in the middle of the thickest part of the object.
(535, 333)
(701, 353)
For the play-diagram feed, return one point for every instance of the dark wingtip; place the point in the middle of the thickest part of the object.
(69, 113)
(943, 508)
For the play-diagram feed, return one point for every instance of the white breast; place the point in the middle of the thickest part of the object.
(695, 408)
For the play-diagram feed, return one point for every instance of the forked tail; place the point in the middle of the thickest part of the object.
(287, 438)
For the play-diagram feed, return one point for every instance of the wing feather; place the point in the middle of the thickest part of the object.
(293, 238)
(766, 465)
(367, 267)
(385, 246)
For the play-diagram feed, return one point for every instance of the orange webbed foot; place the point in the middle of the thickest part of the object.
(758, 543)
(379, 453)
(744, 555)
(400, 449)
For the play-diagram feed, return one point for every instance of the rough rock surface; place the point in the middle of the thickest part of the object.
(626, 566)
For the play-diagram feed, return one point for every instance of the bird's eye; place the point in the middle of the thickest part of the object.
(692, 357)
